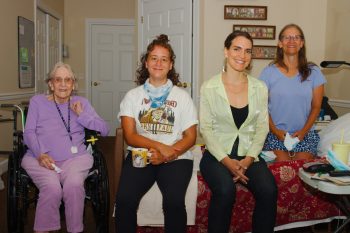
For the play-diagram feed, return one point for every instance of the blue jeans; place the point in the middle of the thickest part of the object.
(172, 179)
(261, 183)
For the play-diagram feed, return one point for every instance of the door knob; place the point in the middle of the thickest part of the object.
(184, 84)
(96, 83)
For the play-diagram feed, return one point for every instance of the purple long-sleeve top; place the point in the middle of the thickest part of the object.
(45, 132)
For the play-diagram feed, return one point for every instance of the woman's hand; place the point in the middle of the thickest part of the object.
(156, 157)
(246, 162)
(169, 152)
(234, 166)
(300, 134)
(77, 107)
(280, 134)
(46, 161)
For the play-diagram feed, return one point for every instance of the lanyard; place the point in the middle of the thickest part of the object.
(67, 126)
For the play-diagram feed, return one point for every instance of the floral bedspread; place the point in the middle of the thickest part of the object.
(297, 202)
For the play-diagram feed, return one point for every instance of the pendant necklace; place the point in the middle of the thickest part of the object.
(73, 149)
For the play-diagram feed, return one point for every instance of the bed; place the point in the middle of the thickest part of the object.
(298, 204)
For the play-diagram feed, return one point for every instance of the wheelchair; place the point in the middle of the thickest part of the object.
(22, 193)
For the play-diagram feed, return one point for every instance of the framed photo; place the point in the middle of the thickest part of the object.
(26, 53)
(245, 12)
(258, 31)
(264, 52)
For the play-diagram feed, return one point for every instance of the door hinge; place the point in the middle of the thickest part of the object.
(141, 19)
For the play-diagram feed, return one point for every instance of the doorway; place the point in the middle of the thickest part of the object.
(48, 46)
(180, 21)
(111, 66)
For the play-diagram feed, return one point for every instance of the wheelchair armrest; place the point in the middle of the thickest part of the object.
(91, 136)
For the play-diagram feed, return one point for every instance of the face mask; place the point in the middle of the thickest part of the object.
(289, 142)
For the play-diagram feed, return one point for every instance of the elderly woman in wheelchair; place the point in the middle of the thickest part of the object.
(57, 160)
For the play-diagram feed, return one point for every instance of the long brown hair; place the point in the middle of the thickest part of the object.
(304, 67)
(142, 73)
(231, 37)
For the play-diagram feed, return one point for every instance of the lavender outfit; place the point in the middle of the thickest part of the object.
(45, 133)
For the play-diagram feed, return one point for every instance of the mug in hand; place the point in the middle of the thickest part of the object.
(140, 157)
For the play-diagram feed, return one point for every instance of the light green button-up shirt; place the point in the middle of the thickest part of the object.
(217, 125)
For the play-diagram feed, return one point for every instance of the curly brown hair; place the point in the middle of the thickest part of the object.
(142, 73)
(304, 66)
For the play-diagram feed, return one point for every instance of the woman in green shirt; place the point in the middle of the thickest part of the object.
(234, 125)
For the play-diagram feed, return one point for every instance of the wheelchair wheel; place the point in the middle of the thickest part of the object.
(98, 189)
(18, 187)
(15, 207)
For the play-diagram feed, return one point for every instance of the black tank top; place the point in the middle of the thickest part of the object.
(239, 115)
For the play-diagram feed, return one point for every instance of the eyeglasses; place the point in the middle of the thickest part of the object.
(291, 37)
(155, 59)
(68, 81)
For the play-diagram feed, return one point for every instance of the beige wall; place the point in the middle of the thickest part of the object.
(9, 11)
(337, 48)
(9, 90)
(75, 14)
(298, 11)
(326, 30)
(53, 6)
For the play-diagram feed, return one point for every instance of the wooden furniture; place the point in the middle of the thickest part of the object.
(113, 151)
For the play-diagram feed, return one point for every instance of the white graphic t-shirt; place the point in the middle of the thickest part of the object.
(163, 124)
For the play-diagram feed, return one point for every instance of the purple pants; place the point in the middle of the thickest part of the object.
(53, 187)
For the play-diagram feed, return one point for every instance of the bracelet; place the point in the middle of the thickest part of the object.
(291, 154)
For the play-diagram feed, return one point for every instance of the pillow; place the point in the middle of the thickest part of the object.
(332, 134)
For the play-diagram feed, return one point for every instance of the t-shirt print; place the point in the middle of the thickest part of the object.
(158, 120)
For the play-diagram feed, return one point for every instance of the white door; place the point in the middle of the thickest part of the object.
(40, 50)
(48, 47)
(53, 41)
(113, 65)
(174, 18)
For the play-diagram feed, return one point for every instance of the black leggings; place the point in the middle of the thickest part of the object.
(261, 183)
(172, 178)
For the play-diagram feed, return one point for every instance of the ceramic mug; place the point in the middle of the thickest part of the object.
(341, 151)
(140, 157)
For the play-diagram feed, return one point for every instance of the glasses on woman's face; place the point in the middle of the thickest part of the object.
(291, 37)
(68, 81)
(155, 59)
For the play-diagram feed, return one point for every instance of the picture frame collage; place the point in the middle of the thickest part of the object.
(264, 32)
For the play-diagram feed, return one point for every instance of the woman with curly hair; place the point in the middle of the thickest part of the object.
(161, 117)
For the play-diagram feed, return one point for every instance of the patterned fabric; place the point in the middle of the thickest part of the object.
(309, 144)
(157, 95)
(297, 202)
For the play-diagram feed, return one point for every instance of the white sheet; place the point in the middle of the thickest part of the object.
(150, 212)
